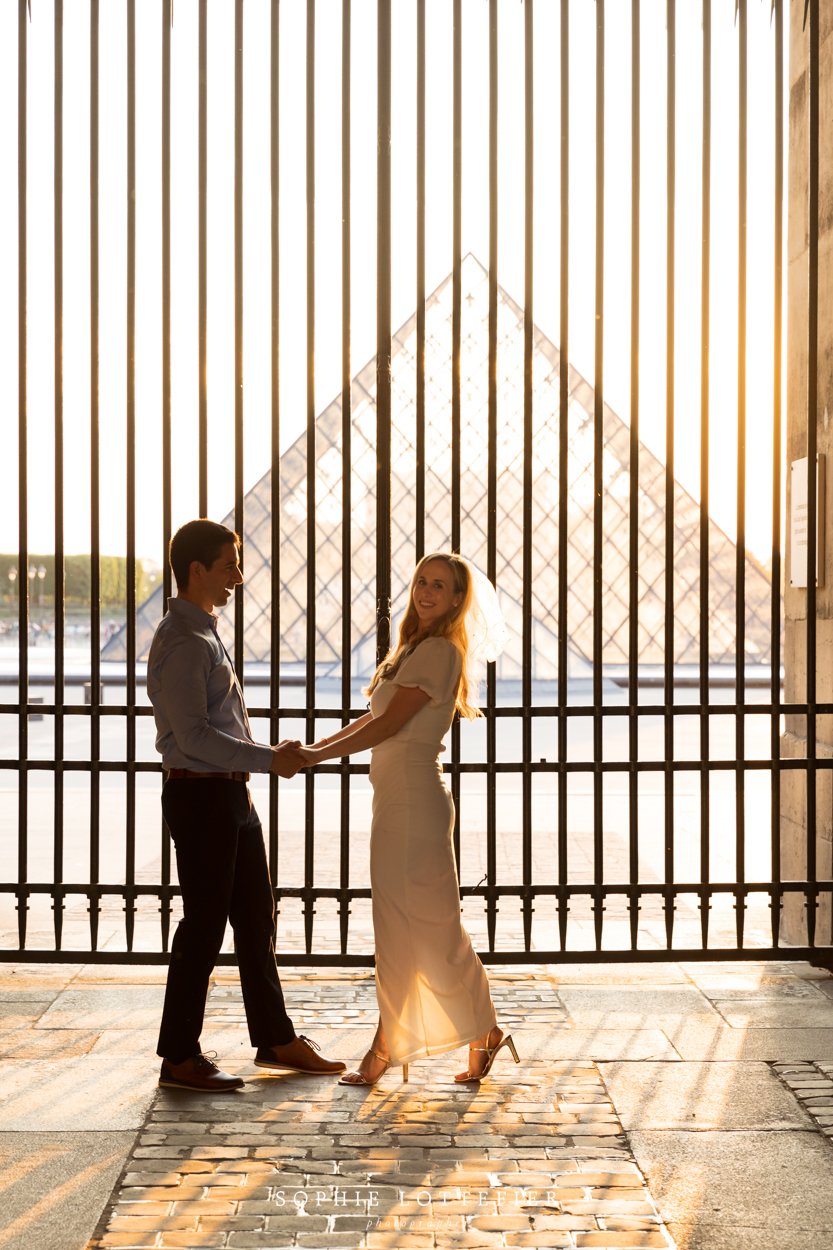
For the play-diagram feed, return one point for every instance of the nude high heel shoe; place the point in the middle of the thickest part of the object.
(491, 1054)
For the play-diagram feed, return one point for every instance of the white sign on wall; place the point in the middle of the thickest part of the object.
(798, 522)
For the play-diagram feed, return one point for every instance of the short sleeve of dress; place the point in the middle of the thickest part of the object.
(434, 666)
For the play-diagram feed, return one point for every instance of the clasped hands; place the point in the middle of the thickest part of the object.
(289, 756)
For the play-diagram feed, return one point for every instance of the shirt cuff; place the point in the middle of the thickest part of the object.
(260, 760)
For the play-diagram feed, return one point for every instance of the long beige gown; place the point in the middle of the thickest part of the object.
(432, 989)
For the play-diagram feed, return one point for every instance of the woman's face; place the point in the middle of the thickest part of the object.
(434, 594)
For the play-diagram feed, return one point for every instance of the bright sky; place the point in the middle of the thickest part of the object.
(475, 209)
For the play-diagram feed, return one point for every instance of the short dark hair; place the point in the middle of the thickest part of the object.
(200, 540)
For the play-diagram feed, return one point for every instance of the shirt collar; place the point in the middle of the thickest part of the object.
(191, 612)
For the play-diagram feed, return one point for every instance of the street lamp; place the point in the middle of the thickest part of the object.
(41, 576)
(33, 625)
(12, 576)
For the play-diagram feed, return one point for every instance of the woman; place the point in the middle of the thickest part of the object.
(431, 987)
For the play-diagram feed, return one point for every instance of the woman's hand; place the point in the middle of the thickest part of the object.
(309, 753)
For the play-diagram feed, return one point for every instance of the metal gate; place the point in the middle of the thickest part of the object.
(627, 775)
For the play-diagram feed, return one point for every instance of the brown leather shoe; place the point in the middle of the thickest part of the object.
(199, 1073)
(299, 1055)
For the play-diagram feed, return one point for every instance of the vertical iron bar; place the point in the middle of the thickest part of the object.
(130, 446)
(491, 482)
(705, 412)
(419, 532)
(346, 464)
(23, 488)
(670, 237)
(383, 330)
(563, 445)
(166, 15)
(814, 83)
(529, 326)
(309, 791)
(456, 272)
(60, 694)
(598, 451)
(456, 338)
(275, 475)
(775, 629)
(239, 520)
(95, 552)
(633, 561)
(740, 547)
(167, 18)
(202, 237)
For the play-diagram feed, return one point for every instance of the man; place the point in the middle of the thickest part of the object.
(205, 739)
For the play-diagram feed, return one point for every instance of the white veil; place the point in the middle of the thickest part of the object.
(486, 629)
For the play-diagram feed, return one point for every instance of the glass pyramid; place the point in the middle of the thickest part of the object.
(543, 606)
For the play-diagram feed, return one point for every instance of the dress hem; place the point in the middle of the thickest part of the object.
(439, 1048)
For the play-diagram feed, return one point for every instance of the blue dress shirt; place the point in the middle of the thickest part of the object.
(201, 719)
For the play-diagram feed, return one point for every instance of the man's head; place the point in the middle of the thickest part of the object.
(204, 557)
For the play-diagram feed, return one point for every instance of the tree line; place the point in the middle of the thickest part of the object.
(77, 579)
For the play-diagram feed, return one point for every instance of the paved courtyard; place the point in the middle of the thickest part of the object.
(666, 1105)
(662, 1104)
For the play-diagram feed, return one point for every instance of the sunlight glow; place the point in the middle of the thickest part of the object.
(723, 388)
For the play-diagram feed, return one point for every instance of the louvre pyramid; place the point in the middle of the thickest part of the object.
(329, 607)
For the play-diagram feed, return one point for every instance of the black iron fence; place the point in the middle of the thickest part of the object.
(561, 877)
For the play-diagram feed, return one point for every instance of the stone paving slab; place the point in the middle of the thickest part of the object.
(141, 1043)
(795, 1013)
(33, 1043)
(629, 1007)
(22, 1014)
(52, 1186)
(649, 975)
(701, 1096)
(695, 1043)
(750, 973)
(711, 1186)
(44, 1095)
(749, 1237)
(106, 1007)
(27, 994)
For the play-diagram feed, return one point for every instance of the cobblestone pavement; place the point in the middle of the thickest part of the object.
(678, 1104)
(535, 1156)
(812, 1085)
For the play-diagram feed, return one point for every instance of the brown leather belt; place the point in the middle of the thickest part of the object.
(186, 774)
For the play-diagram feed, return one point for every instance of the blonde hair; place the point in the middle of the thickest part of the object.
(451, 626)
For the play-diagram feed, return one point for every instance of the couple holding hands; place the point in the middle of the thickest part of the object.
(432, 989)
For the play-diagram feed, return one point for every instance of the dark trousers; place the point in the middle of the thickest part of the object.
(224, 877)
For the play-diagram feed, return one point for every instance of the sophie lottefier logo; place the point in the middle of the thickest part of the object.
(375, 1201)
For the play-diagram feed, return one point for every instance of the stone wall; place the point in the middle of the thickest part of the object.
(794, 740)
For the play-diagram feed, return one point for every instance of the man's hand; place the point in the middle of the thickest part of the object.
(286, 759)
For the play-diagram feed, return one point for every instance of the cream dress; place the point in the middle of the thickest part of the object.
(432, 988)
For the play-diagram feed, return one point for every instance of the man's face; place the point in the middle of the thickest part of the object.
(217, 582)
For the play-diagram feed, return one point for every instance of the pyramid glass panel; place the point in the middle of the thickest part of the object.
(331, 542)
